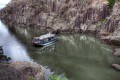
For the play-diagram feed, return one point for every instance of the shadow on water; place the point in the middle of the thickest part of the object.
(79, 57)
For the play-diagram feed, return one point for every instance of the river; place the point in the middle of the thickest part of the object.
(77, 56)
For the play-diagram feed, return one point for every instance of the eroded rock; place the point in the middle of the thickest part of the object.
(112, 26)
(21, 71)
(68, 14)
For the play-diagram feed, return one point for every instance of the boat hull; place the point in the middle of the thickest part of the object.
(44, 44)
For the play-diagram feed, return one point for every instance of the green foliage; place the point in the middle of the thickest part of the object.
(31, 78)
(111, 3)
(3, 58)
(103, 20)
(55, 77)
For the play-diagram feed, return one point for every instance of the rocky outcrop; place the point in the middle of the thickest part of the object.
(117, 52)
(112, 25)
(21, 71)
(116, 66)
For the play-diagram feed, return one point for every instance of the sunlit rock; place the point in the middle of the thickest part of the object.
(53, 13)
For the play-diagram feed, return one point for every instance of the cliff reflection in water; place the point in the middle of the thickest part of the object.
(12, 47)
(80, 57)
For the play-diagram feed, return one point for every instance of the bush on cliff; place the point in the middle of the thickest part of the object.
(3, 58)
(111, 3)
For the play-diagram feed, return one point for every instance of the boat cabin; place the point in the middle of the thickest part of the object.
(42, 40)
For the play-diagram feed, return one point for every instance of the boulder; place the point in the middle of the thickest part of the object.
(117, 52)
(21, 71)
(116, 66)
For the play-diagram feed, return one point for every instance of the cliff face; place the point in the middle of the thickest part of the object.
(68, 14)
(112, 25)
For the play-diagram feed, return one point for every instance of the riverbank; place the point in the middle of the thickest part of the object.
(21, 71)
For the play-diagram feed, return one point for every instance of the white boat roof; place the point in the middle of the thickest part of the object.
(45, 36)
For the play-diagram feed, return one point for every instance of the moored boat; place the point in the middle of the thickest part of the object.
(44, 40)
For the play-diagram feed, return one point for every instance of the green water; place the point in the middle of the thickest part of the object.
(78, 56)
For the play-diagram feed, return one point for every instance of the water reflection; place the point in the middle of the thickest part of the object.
(46, 49)
(80, 57)
(12, 47)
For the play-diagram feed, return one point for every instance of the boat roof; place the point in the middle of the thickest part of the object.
(45, 36)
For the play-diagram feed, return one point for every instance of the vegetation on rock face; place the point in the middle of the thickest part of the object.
(55, 77)
(31, 78)
(3, 58)
(111, 3)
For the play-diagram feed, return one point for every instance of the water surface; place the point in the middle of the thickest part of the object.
(79, 57)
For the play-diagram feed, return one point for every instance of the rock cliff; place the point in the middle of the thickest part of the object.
(21, 71)
(57, 14)
(112, 25)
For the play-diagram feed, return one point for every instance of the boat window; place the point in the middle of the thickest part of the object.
(49, 38)
(41, 41)
(36, 40)
(46, 40)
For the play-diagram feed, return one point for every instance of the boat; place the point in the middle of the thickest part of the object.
(44, 40)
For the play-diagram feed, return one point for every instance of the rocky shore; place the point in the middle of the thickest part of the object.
(21, 71)
(85, 16)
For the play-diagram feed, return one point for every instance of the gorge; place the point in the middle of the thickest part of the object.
(78, 56)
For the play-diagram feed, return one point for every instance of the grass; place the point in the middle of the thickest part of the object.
(111, 3)
(55, 77)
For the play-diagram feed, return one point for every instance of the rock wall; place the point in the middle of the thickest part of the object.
(56, 14)
(112, 25)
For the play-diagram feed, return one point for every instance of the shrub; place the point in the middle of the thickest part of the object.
(31, 78)
(55, 77)
(3, 58)
(111, 3)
